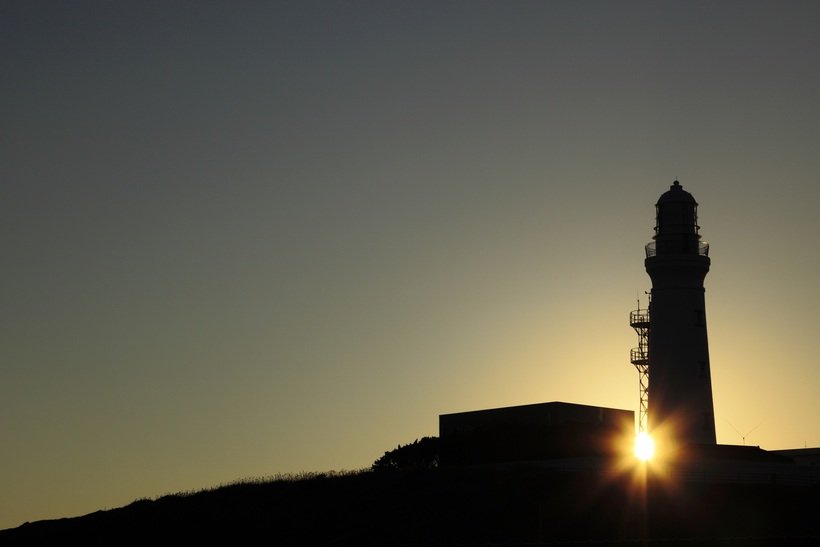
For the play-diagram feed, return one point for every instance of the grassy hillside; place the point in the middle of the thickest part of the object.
(502, 505)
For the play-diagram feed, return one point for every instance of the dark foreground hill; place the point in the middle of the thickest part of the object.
(521, 504)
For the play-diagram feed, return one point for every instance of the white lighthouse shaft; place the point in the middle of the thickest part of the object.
(680, 387)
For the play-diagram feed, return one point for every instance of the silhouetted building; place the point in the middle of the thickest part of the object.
(802, 456)
(533, 432)
(680, 387)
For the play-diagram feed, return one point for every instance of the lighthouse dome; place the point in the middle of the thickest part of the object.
(676, 194)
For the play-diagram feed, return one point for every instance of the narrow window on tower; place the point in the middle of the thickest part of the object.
(700, 318)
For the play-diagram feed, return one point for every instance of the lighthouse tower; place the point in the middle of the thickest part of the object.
(680, 386)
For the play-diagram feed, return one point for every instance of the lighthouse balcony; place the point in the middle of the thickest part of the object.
(652, 249)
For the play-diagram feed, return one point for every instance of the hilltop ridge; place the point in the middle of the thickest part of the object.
(515, 504)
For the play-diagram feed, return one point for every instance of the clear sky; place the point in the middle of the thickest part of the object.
(242, 238)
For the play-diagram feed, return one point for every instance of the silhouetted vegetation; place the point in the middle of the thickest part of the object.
(420, 454)
(511, 504)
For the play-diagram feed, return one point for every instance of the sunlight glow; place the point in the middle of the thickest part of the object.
(644, 447)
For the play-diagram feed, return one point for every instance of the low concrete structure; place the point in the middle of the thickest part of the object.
(802, 456)
(533, 432)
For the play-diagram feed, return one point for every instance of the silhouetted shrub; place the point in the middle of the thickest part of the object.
(420, 454)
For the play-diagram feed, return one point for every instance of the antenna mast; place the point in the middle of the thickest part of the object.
(639, 356)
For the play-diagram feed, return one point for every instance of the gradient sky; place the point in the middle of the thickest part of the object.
(243, 238)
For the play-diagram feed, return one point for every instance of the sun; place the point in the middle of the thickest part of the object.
(644, 447)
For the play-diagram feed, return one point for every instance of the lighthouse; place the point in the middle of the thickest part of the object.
(680, 409)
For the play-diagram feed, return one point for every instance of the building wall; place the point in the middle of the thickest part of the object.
(532, 432)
